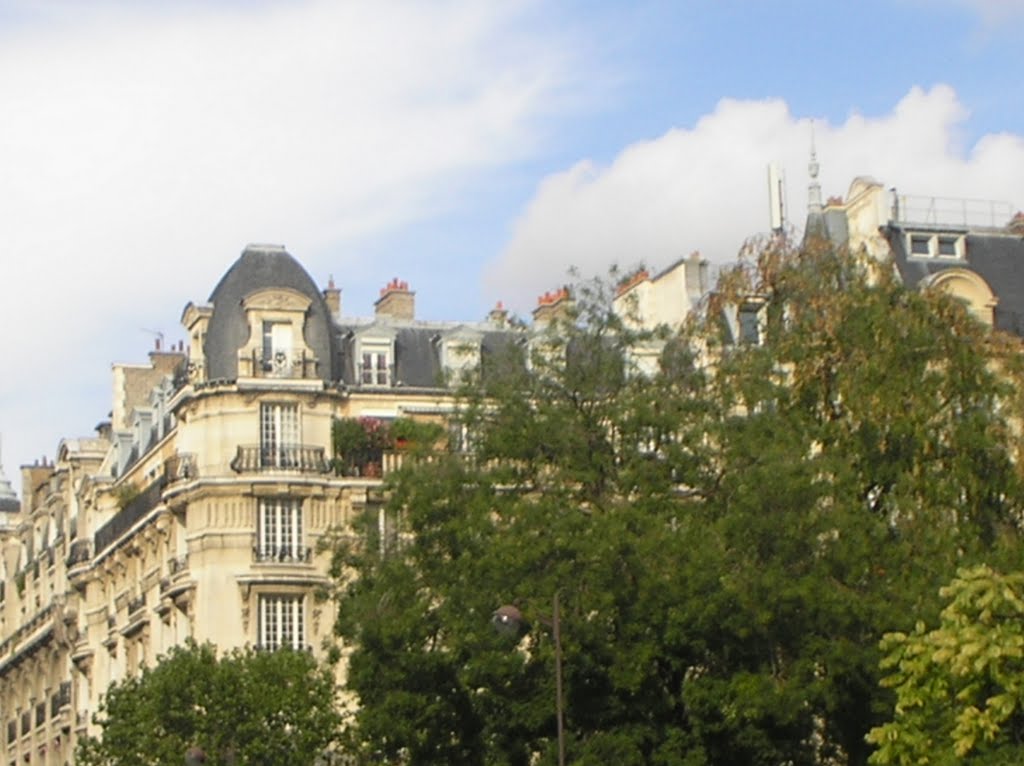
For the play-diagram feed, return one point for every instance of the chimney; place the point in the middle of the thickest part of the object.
(550, 306)
(396, 301)
(631, 281)
(697, 274)
(498, 316)
(166, 361)
(332, 296)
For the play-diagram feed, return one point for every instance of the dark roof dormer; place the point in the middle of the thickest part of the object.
(266, 318)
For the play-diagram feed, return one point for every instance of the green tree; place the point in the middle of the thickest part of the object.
(729, 537)
(245, 707)
(960, 686)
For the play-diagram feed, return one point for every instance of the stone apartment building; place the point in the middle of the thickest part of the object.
(196, 510)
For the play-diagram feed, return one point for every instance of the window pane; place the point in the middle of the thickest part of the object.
(282, 622)
(279, 535)
(279, 434)
(750, 331)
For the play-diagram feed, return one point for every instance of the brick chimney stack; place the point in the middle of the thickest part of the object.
(396, 301)
(550, 306)
(498, 316)
(332, 296)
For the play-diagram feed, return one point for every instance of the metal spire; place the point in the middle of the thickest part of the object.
(814, 190)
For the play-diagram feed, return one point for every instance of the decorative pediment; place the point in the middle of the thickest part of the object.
(276, 299)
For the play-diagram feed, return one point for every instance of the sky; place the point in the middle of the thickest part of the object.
(477, 150)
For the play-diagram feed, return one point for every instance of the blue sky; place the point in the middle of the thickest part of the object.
(476, 150)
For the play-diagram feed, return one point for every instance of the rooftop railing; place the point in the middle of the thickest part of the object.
(950, 211)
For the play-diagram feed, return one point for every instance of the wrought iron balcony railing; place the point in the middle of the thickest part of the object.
(300, 458)
(283, 554)
(60, 699)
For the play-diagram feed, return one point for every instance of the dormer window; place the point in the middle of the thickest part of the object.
(920, 244)
(750, 321)
(951, 246)
(460, 352)
(277, 347)
(373, 356)
(375, 368)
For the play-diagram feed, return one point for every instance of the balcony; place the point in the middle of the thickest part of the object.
(175, 583)
(279, 365)
(80, 553)
(136, 605)
(133, 512)
(180, 467)
(177, 564)
(61, 699)
(293, 458)
(283, 555)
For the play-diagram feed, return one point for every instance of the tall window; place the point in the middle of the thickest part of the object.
(277, 347)
(375, 368)
(280, 530)
(282, 622)
(750, 324)
(279, 435)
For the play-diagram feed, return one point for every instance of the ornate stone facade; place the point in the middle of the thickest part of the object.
(198, 512)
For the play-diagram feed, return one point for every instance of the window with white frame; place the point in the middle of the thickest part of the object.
(279, 534)
(279, 435)
(937, 245)
(375, 366)
(282, 621)
(277, 347)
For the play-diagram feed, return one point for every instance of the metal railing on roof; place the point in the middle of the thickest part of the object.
(950, 211)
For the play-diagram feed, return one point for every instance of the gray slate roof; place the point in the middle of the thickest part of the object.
(259, 267)
(417, 362)
(996, 257)
(9, 502)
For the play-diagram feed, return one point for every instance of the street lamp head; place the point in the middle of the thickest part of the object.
(508, 621)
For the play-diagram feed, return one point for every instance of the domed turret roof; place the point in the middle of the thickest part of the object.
(9, 502)
(262, 267)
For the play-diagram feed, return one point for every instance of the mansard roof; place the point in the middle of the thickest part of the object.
(417, 347)
(9, 502)
(261, 267)
(996, 256)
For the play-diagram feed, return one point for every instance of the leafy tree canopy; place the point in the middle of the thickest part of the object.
(959, 687)
(247, 707)
(730, 536)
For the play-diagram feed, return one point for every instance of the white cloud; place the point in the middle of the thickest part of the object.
(705, 188)
(143, 145)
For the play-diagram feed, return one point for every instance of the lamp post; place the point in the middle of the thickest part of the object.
(509, 621)
(556, 629)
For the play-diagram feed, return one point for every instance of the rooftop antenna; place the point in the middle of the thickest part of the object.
(776, 198)
(159, 336)
(814, 189)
